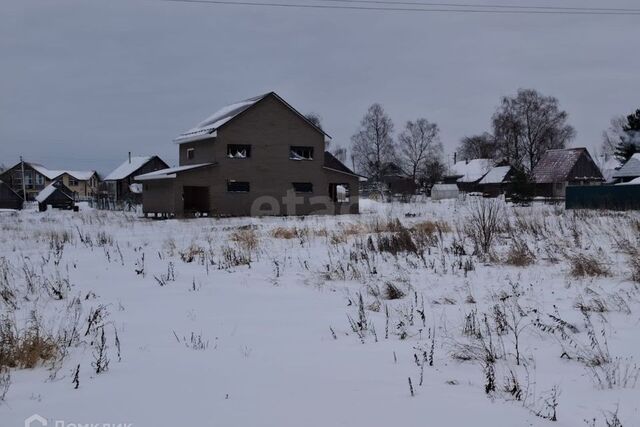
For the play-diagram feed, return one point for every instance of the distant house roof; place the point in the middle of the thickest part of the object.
(608, 166)
(169, 173)
(53, 174)
(635, 181)
(556, 165)
(496, 175)
(332, 163)
(629, 169)
(208, 128)
(470, 171)
(128, 167)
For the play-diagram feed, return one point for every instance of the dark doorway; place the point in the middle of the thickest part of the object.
(196, 199)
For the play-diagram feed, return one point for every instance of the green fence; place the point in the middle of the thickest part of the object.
(616, 197)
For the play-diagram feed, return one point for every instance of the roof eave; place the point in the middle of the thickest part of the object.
(360, 177)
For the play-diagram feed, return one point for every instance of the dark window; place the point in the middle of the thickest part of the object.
(73, 182)
(237, 187)
(303, 187)
(191, 153)
(237, 151)
(301, 153)
(339, 193)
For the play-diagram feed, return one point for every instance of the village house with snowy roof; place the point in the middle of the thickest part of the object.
(82, 184)
(120, 183)
(259, 156)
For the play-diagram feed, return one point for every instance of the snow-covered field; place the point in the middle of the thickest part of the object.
(323, 321)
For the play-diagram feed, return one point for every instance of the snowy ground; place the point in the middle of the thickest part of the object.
(258, 322)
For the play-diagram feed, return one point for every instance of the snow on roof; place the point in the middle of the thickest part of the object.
(472, 171)
(608, 166)
(208, 127)
(496, 175)
(635, 181)
(53, 174)
(127, 168)
(168, 173)
(44, 171)
(631, 168)
(46, 192)
(80, 175)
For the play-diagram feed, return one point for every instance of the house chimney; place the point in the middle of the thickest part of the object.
(466, 161)
(455, 157)
(129, 157)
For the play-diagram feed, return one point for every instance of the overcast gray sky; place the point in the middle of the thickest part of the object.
(82, 82)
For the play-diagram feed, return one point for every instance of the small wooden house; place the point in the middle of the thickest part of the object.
(57, 195)
(562, 167)
(120, 182)
(9, 199)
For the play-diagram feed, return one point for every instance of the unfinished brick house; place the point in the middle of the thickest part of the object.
(256, 157)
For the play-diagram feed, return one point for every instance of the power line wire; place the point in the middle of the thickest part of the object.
(488, 6)
(448, 9)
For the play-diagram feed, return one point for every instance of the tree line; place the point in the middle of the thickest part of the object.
(523, 127)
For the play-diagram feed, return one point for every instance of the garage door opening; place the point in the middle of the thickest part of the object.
(196, 200)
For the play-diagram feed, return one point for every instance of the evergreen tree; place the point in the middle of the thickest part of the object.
(630, 140)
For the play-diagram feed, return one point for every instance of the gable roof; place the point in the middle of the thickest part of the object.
(128, 167)
(471, 171)
(496, 175)
(208, 128)
(3, 184)
(629, 169)
(80, 175)
(52, 174)
(52, 188)
(556, 165)
(333, 164)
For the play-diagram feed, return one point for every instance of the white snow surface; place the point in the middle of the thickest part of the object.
(471, 171)
(127, 168)
(169, 172)
(279, 347)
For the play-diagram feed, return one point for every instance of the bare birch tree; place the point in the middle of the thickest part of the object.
(372, 143)
(418, 144)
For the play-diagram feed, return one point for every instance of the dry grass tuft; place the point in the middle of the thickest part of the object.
(246, 239)
(391, 291)
(519, 254)
(431, 227)
(583, 265)
(25, 349)
(288, 233)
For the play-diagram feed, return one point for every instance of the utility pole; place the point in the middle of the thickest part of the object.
(24, 187)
